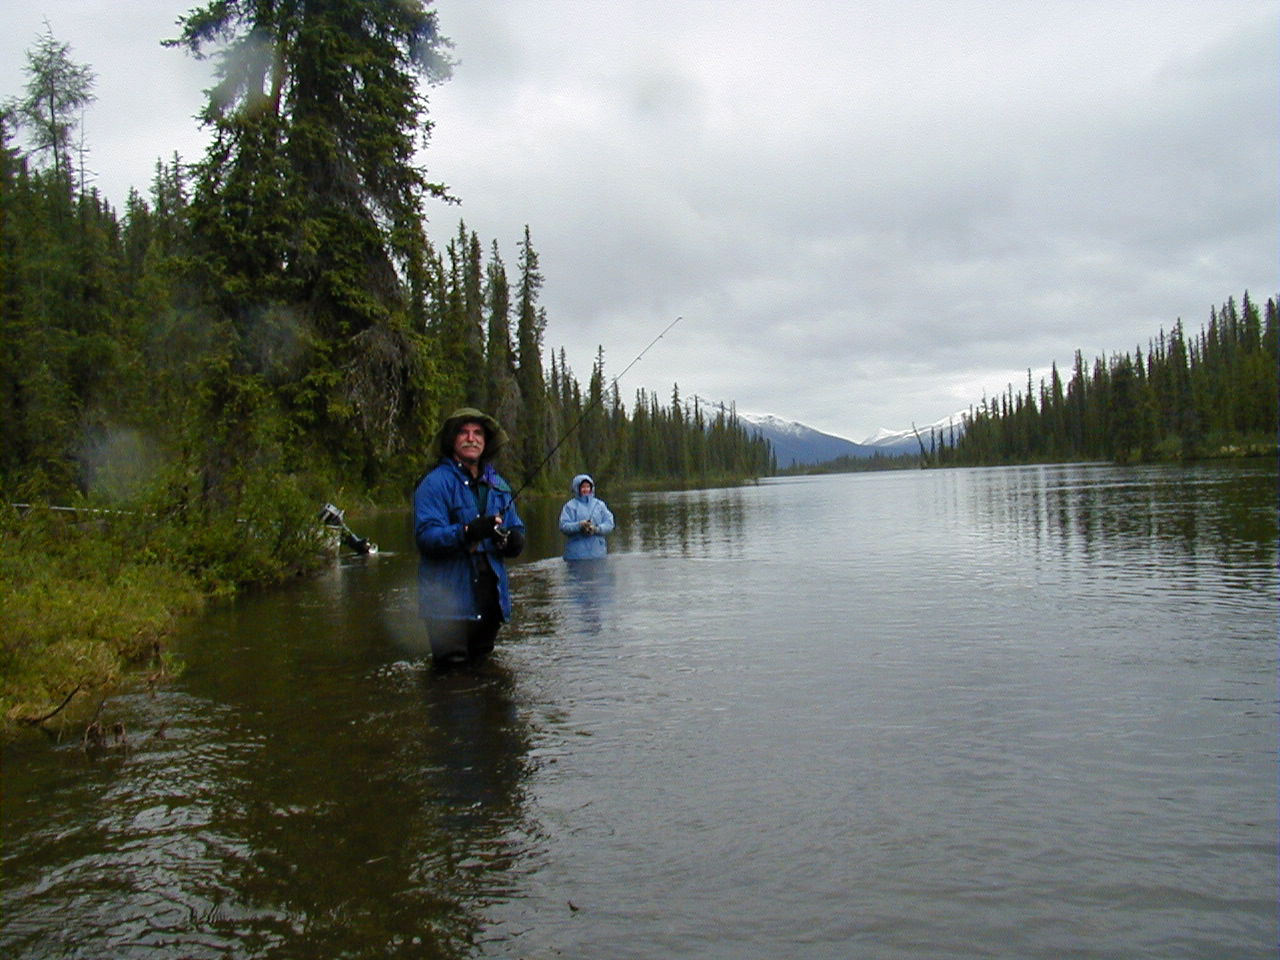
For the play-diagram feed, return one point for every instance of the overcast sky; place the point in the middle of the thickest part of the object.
(867, 213)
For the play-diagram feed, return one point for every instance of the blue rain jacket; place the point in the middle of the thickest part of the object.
(442, 505)
(582, 546)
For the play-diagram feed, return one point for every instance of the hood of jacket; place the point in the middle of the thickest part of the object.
(577, 482)
(495, 438)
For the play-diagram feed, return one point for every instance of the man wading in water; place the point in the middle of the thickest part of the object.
(465, 524)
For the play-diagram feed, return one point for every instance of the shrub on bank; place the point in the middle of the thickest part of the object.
(77, 609)
(88, 597)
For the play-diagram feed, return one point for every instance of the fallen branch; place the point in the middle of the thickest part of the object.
(37, 721)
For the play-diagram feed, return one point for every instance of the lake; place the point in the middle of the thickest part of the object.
(1013, 712)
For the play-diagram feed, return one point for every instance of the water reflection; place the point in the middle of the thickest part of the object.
(388, 829)
(590, 587)
(1103, 514)
(296, 806)
(688, 522)
(916, 715)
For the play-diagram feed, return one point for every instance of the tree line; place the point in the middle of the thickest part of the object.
(1210, 394)
(273, 323)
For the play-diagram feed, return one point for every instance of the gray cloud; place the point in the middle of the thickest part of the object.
(867, 213)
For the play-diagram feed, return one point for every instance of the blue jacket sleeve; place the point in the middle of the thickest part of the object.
(570, 522)
(434, 528)
(605, 522)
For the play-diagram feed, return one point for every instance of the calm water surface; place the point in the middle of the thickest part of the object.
(991, 713)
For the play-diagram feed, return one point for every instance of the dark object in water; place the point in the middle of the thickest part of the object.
(331, 516)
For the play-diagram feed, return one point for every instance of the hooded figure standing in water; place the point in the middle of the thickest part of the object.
(585, 520)
(465, 525)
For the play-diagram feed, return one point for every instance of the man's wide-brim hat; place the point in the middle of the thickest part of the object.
(495, 438)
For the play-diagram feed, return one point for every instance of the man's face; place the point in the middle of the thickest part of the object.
(584, 488)
(468, 443)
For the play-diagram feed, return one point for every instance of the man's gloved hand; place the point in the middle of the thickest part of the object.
(510, 543)
(481, 528)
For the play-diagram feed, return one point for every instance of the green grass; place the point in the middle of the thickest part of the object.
(79, 613)
(89, 598)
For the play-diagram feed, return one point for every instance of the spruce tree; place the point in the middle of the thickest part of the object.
(475, 382)
(307, 212)
(531, 425)
(57, 90)
(504, 395)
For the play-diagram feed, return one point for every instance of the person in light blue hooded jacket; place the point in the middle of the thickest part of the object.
(585, 520)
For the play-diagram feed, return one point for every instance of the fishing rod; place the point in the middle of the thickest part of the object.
(612, 383)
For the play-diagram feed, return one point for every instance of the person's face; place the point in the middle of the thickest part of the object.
(584, 488)
(468, 443)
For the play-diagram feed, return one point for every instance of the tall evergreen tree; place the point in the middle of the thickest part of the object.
(595, 441)
(64, 319)
(504, 395)
(473, 342)
(57, 90)
(307, 211)
(530, 323)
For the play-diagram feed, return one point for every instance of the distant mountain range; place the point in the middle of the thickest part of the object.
(795, 444)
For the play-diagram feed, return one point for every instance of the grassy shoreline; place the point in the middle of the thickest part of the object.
(82, 614)
(88, 600)
(87, 603)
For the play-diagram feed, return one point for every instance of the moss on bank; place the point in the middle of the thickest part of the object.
(78, 611)
(88, 598)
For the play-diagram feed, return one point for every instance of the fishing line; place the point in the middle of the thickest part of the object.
(603, 393)
(329, 516)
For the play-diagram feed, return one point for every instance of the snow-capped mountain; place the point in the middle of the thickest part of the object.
(796, 444)
(889, 441)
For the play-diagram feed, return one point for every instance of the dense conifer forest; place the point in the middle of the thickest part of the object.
(258, 332)
(275, 318)
(1209, 395)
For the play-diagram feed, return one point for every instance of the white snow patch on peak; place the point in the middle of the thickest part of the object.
(884, 433)
(776, 423)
